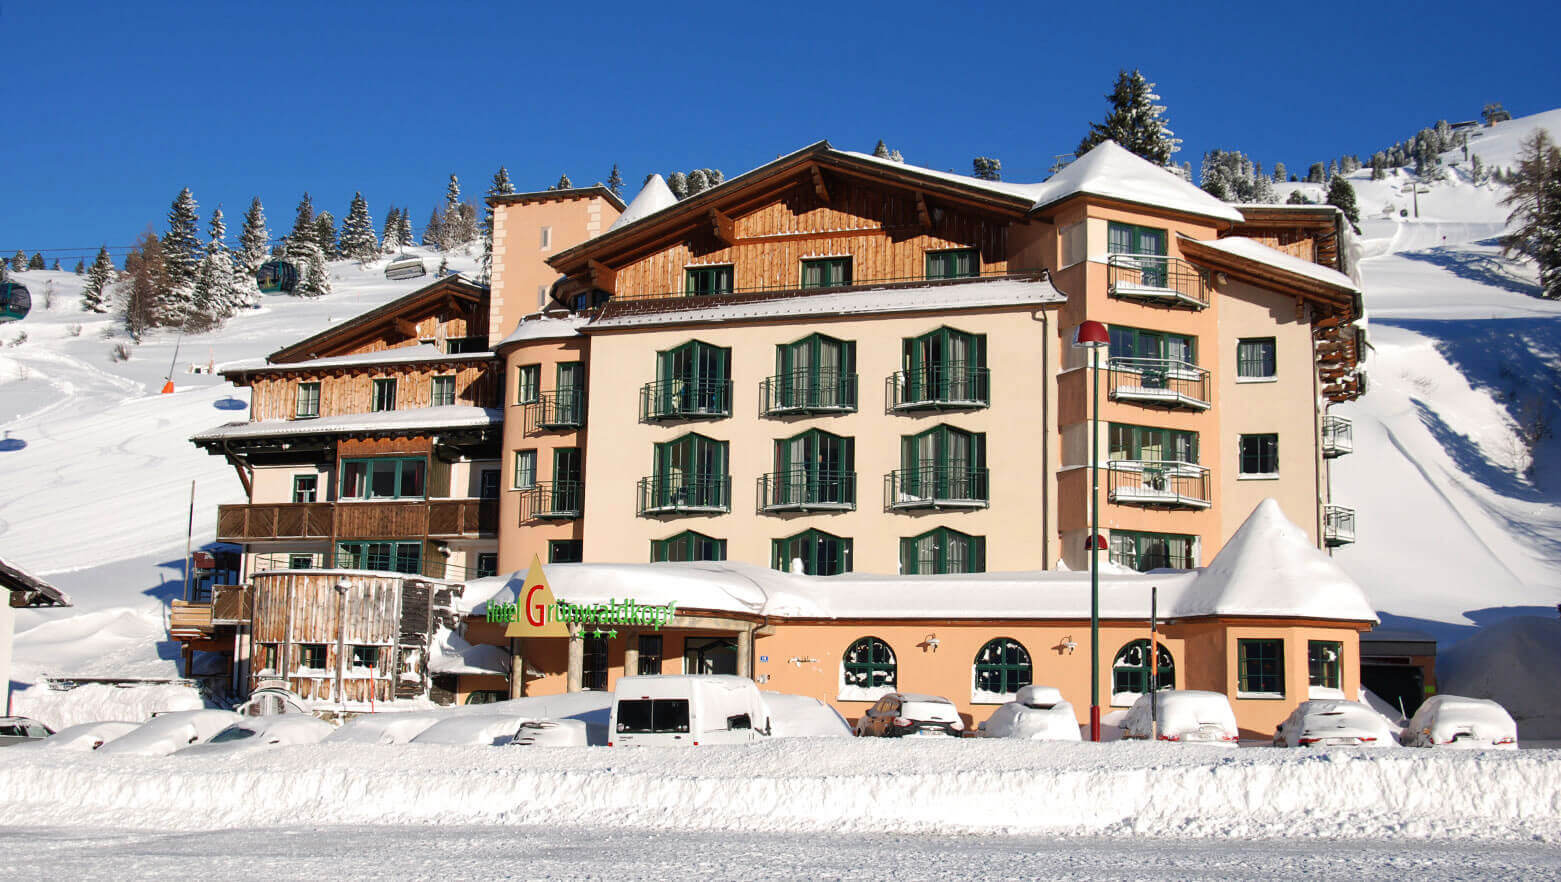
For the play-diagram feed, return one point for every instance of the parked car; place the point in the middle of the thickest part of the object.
(1185, 715)
(1037, 713)
(1335, 723)
(908, 713)
(166, 733)
(394, 727)
(803, 716)
(261, 733)
(686, 710)
(552, 733)
(82, 737)
(20, 730)
(488, 730)
(1456, 721)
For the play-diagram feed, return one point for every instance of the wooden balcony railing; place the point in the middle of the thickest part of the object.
(354, 520)
(189, 620)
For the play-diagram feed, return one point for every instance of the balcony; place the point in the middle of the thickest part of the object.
(936, 487)
(1158, 484)
(685, 399)
(229, 605)
(1338, 438)
(1155, 279)
(388, 519)
(684, 494)
(940, 386)
(1158, 382)
(807, 490)
(561, 410)
(805, 392)
(555, 500)
(1338, 525)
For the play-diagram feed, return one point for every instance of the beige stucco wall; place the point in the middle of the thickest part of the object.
(519, 255)
(1020, 354)
(274, 483)
(520, 538)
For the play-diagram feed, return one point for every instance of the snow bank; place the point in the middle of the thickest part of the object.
(1507, 663)
(834, 785)
(98, 701)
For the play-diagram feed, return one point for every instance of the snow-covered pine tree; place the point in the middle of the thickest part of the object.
(444, 268)
(433, 231)
(1477, 173)
(895, 156)
(325, 234)
(677, 182)
(1135, 123)
(1535, 221)
(1279, 172)
(182, 243)
(389, 237)
(614, 182)
(303, 222)
(1333, 169)
(698, 182)
(404, 223)
(1341, 195)
(358, 241)
(94, 297)
(145, 278)
(56, 266)
(1315, 173)
(986, 168)
(253, 239)
(881, 150)
(715, 176)
(563, 183)
(81, 268)
(313, 276)
(501, 186)
(1379, 166)
(214, 298)
(1298, 198)
(36, 261)
(18, 261)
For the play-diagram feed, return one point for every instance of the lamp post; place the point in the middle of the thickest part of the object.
(1092, 335)
(342, 586)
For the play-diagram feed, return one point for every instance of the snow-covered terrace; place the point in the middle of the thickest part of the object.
(423, 352)
(445, 417)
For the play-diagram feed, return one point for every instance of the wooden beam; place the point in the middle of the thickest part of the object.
(818, 185)
(722, 226)
(922, 212)
(405, 327)
(602, 276)
(243, 476)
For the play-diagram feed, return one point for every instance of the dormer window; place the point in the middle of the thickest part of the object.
(704, 281)
(826, 272)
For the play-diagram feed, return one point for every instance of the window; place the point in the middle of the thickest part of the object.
(311, 655)
(1143, 552)
(266, 657)
(306, 488)
(1130, 672)
(826, 272)
(942, 463)
(820, 553)
(547, 237)
(570, 404)
(1138, 343)
(486, 696)
(382, 478)
(308, 404)
(957, 264)
(1143, 241)
(868, 664)
(692, 380)
(568, 491)
(365, 656)
(650, 654)
(528, 383)
(687, 545)
(525, 469)
(487, 564)
(593, 671)
(384, 394)
(300, 561)
(1260, 455)
(941, 551)
(1325, 664)
(944, 367)
(442, 392)
(488, 484)
(1150, 444)
(1255, 359)
(689, 473)
(710, 655)
(1260, 668)
(813, 468)
(702, 281)
(814, 372)
(390, 557)
(653, 715)
(1002, 668)
(458, 345)
(565, 551)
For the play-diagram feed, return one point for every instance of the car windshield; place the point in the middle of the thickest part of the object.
(12, 729)
(237, 733)
(653, 715)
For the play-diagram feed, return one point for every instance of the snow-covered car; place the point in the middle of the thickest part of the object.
(20, 730)
(1037, 713)
(909, 713)
(398, 727)
(1335, 723)
(83, 736)
(1456, 721)
(803, 716)
(1184, 715)
(484, 729)
(552, 733)
(166, 733)
(261, 733)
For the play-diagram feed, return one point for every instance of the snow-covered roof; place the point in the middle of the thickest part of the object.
(653, 197)
(1267, 569)
(1117, 173)
(1251, 249)
(544, 327)
(400, 355)
(29, 589)
(921, 298)
(454, 416)
(452, 654)
(1001, 188)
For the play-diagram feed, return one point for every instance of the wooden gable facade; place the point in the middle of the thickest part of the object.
(349, 389)
(450, 309)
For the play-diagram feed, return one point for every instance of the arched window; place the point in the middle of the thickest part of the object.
(1002, 669)
(867, 669)
(1130, 672)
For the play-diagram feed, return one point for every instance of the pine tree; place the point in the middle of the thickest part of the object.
(357, 232)
(303, 222)
(1333, 169)
(213, 298)
(1279, 172)
(404, 229)
(882, 150)
(182, 244)
(698, 182)
(56, 266)
(36, 261)
(895, 156)
(313, 276)
(18, 261)
(253, 238)
(1298, 198)
(987, 168)
(389, 236)
(1477, 172)
(94, 297)
(325, 235)
(81, 267)
(615, 182)
(677, 182)
(144, 281)
(1135, 122)
(501, 186)
(1535, 221)
(1315, 173)
(563, 183)
(433, 233)
(1341, 195)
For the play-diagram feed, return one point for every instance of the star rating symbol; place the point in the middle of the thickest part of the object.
(612, 634)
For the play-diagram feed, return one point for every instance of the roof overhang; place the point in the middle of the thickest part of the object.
(29, 591)
(1332, 298)
(1048, 211)
(597, 191)
(449, 288)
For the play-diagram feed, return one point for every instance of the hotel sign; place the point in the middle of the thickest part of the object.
(537, 613)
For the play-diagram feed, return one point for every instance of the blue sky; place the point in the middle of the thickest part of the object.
(112, 108)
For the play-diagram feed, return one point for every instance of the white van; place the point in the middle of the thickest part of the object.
(686, 710)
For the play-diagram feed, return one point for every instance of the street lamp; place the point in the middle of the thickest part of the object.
(1092, 335)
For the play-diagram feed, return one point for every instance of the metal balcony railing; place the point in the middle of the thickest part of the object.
(1338, 525)
(1338, 436)
(558, 500)
(936, 487)
(685, 399)
(384, 563)
(1154, 278)
(1158, 381)
(808, 391)
(949, 384)
(807, 490)
(1144, 560)
(680, 494)
(1158, 483)
(562, 409)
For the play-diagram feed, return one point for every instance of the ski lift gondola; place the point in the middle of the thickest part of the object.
(405, 268)
(276, 275)
(15, 302)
